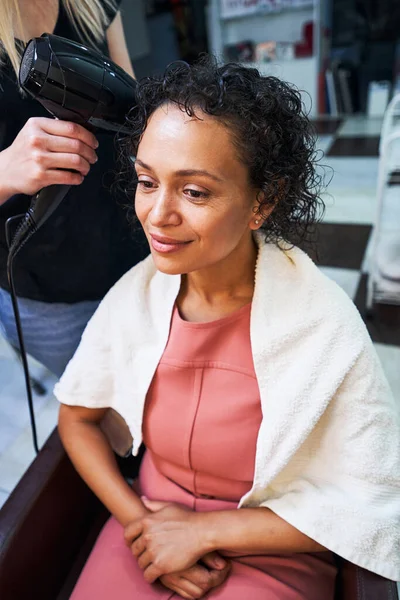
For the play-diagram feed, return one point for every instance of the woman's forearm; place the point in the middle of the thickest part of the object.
(94, 460)
(253, 531)
(117, 45)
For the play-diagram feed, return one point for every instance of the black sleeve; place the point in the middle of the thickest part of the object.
(111, 12)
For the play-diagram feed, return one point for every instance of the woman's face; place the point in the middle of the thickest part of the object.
(193, 198)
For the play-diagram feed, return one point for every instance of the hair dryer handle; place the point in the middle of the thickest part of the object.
(45, 202)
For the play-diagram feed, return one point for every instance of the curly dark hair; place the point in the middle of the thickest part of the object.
(269, 128)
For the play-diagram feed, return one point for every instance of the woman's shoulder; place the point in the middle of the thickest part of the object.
(111, 8)
(297, 301)
(65, 27)
(326, 290)
(298, 284)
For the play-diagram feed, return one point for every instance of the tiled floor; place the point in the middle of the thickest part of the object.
(354, 146)
(340, 245)
(16, 446)
(351, 162)
(350, 173)
(360, 126)
(348, 279)
(324, 142)
(327, 126)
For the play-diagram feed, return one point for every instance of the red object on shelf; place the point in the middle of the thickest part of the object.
(305, 47)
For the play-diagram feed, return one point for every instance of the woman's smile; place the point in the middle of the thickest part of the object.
(166, 245)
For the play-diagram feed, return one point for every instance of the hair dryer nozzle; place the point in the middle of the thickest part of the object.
(26, 65)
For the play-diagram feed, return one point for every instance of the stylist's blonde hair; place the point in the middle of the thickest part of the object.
(88, 15)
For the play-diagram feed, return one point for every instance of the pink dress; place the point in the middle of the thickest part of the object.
(201, 421)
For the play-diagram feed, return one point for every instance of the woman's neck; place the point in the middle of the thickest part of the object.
(218, 290)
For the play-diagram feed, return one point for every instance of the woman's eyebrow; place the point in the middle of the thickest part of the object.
(142, 164)
(190, 172)
(184, 172)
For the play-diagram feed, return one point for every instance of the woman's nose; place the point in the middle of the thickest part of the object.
(164, 211)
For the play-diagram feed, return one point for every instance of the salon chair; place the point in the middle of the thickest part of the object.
(51, 520)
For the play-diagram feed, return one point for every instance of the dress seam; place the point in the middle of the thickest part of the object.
(198, 387)
(182, 364)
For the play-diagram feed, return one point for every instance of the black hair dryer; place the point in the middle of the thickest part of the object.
(75, 84)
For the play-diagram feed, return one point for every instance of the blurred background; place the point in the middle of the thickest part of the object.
(344, 56)
(338, 51)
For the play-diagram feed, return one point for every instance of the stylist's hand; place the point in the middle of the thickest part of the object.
(46, 152)
(168, 540)
(196, 581)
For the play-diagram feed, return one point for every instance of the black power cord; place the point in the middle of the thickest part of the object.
(43, 204)
(13, 251)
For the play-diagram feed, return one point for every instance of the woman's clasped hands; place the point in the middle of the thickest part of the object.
(170, 545)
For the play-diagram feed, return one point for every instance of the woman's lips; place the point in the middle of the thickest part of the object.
(166, 245)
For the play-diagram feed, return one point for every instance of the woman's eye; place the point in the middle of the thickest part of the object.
(195, 194)
(146, 184)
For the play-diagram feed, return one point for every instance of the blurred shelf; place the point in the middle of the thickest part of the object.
(266, 12)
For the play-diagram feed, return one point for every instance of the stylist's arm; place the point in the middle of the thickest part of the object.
(46, 152)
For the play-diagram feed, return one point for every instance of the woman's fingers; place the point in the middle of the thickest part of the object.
(155, 505)
(192, 583)
(152, 571)
(217, 577)
(70, 146)
(187, 589)
(181, 586)
(132, 531)
(46, 152)
(72, 162)
(67, 129)
(60, 177)
(144, 561)
(205, 579)
(138, 547)
(213, 560)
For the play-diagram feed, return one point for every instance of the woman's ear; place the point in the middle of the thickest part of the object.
(261, 209)
(256, 222)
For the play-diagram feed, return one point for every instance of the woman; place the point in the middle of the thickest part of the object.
(248, 374)
(86, 245)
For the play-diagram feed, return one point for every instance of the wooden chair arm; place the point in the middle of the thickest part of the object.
(355, 583)
(43, 524)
